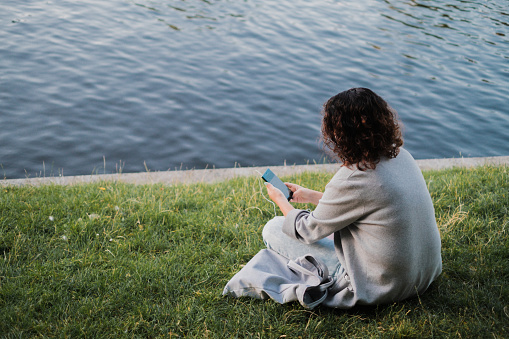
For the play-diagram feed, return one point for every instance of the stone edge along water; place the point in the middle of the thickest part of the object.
(217, 175)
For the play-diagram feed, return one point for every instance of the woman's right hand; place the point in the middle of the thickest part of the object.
(304, 195)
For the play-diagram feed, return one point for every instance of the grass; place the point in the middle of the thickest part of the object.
(121, 261)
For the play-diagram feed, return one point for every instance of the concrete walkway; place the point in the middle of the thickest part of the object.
(215, 175)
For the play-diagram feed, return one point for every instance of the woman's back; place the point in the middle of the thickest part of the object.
(392, 250)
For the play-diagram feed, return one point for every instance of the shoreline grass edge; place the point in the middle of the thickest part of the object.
(222, 174)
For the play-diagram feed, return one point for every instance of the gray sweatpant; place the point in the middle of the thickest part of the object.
(290, 248)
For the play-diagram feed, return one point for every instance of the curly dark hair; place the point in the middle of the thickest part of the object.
(360, 128)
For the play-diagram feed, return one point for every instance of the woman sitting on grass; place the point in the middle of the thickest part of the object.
(374, 225)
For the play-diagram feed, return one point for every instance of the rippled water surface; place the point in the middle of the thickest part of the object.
(100, 86)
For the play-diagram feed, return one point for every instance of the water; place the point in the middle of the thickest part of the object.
(101, 86)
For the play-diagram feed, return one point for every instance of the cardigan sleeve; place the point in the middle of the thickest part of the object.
(340, 206)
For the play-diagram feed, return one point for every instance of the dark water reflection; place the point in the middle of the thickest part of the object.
(93, 86)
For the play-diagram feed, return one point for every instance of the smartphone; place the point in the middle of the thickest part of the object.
(270, 177)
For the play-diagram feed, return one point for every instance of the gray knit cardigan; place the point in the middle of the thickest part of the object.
(385, 234)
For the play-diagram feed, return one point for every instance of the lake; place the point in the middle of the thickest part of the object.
(99, 86)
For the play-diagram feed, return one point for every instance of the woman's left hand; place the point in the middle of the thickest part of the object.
(275, 194)
(279, 198)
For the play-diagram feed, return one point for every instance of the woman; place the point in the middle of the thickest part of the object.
(386, 244)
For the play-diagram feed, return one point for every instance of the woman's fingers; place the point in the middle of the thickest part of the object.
(292, 187)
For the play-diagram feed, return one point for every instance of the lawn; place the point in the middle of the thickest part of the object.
(119, 260)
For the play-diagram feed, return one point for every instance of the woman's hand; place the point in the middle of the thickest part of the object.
(304, 195)
(279, 198)
(300, 195)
